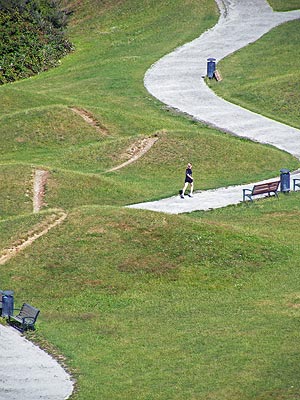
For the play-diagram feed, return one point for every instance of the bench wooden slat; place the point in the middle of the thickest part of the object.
(265, 188)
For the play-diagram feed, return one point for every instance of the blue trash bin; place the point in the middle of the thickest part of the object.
(7, 303)
(284, 180)
(211, 67)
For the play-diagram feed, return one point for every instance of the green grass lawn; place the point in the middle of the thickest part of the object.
(284, 5)
(143, 305)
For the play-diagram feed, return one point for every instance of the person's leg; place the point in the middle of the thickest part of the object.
(192, 188)
(184, 189)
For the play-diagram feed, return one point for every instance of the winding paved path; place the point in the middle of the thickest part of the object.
(177, 80)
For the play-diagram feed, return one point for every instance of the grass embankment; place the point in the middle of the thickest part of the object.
(145, 305)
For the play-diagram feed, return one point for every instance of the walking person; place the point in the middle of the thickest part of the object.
(188, 181)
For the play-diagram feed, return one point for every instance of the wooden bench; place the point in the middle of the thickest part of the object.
(25, 319)
(296, 183)
(262, 188)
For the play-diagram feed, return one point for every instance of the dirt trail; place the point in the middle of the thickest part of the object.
(36, 232)
(39, 184)
(89, 118)
(137, 150)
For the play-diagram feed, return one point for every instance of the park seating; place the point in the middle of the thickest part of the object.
(262, 188)
(25, 319)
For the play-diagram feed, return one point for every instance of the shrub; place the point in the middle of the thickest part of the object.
(32, 37)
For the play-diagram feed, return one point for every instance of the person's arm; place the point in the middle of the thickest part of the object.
(189, 176)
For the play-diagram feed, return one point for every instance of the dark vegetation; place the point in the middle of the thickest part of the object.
(32, 37)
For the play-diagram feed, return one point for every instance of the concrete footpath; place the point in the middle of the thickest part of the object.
(177, 80)
(203, 201)
(27, 372)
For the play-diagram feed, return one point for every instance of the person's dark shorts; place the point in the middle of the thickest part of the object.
(189, 180)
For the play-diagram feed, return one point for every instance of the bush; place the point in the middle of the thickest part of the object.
(32, 37)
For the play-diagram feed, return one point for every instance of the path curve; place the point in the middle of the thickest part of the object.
(177, 80)
(27, 372)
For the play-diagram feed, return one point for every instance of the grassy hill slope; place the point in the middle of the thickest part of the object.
(144, 305)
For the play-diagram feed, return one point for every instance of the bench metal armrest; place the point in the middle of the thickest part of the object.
(296, 184)
(245, 194)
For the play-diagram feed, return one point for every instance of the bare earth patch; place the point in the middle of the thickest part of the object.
(36, 232)
(39, 184)
(88, 118)
(136, 151)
